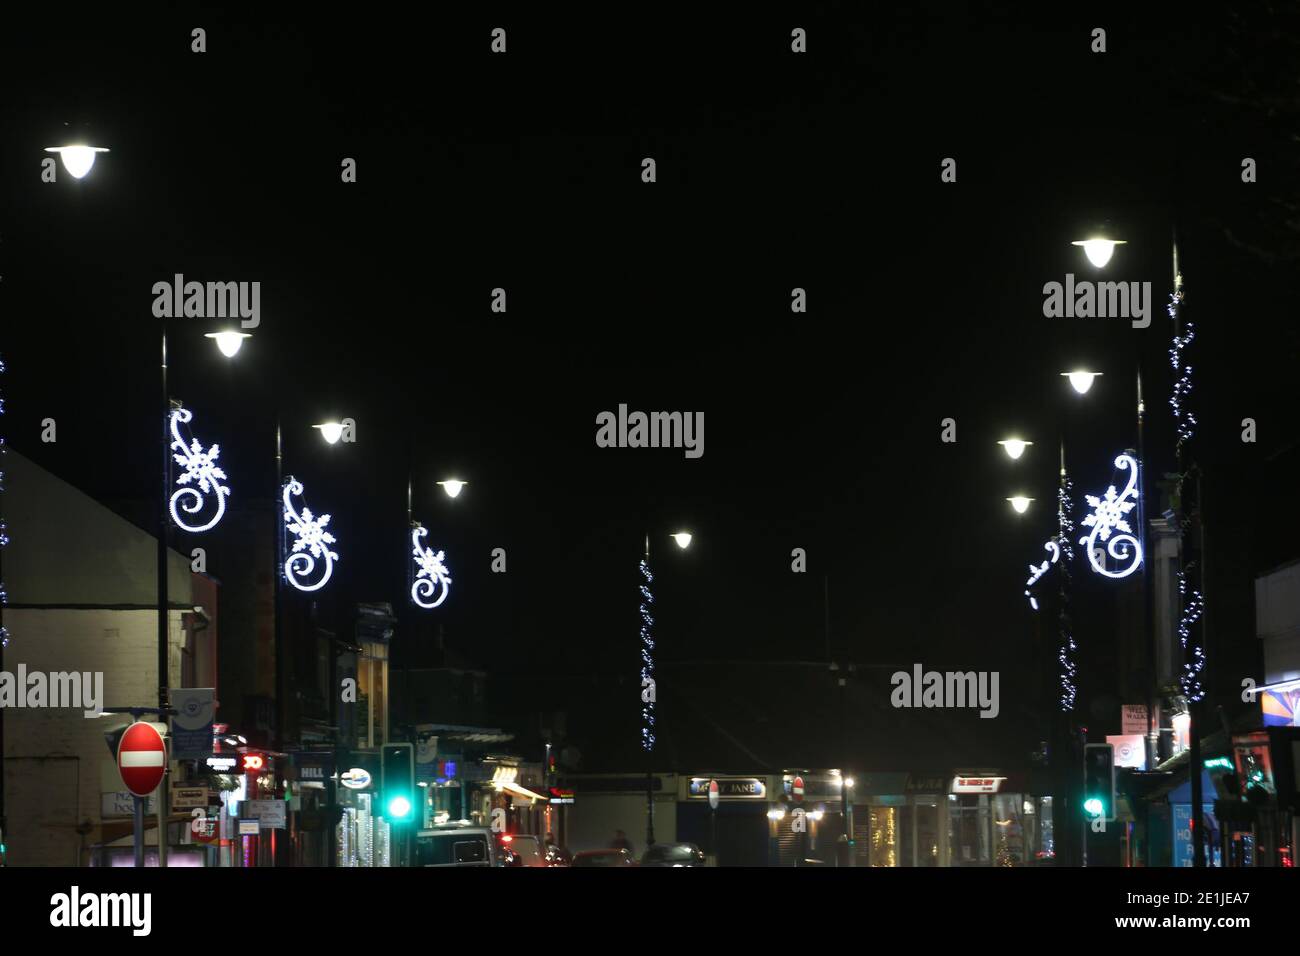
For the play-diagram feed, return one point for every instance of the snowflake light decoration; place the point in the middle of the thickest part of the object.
(311, 542)
(1108, 516)
(431, 575)
(202, 476)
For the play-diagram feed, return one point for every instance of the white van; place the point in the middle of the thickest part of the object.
(455, 844)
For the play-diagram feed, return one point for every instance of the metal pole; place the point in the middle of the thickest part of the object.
(164, 654)
(139, 831)
(280, 675)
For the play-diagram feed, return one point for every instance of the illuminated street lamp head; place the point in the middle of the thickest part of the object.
(228, 341)
(1081, 379)
(683, 539)
(453, 486)
(330, 431)
(1099, 250)
(848, 783)
(1020, 503)
(77, 159)
(1014, 447)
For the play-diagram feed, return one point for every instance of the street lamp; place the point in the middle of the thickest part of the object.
(1014, 447)
(77, 159)
(683, 539)
(330, 431)
(1098, 249)
(1081, 379)
(228, 341)
(1020, 503)
(453, 486)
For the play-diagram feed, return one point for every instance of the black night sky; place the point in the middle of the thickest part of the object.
(774, 171)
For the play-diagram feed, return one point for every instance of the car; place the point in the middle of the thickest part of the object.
(558, 856)
(616, 857)
(522, 849)
(673, 854)
(456, 844)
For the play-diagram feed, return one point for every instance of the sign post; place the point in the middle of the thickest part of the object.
(713, 820)
(141, 761)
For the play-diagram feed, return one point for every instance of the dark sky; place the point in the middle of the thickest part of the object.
(774, 171)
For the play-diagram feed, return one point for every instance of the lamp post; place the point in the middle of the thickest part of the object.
(647, 683)
(1061, 548)
(229, 343)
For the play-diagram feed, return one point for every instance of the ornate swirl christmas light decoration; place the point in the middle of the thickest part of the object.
(202, 477)
(430, 574)
(1036, 571)
(311, 542)
(1108, 516)
(647, 659)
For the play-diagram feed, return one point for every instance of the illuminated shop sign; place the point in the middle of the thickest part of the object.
(977, 784)
(222, 764)
(729, 788)
(355, 779)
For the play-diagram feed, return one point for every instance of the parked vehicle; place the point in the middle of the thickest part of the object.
(558, 856)
(522, 849)
(673, 854)
(619, 857)
(456, 844)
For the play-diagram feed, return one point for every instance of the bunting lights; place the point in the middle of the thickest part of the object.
(429, 576)
(311, 543)
(201, 479)
(1108, 516)
(647, 660)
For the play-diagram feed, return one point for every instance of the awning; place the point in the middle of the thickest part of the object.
(517, 791)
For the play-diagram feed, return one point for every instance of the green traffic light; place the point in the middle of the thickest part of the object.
(1094, 807)
(399, 808)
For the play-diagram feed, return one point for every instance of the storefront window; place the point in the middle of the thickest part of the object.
(971, 825)
(884, 836)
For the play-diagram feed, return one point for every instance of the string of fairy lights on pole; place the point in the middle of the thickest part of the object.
(1190, 598)
(647, 658)
(1068, 648)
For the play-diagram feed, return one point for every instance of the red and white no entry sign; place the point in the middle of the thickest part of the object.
(798, 788)
(713, 794)
(141, 758)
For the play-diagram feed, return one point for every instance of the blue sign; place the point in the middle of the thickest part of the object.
(1182, 834)
(192, 723)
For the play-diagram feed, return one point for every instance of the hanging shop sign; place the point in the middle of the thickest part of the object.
(186, 798)
(192, 723)
(559, 795)
(355, 779)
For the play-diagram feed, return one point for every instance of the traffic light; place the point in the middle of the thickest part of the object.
(1099, 782)
(397, 782)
